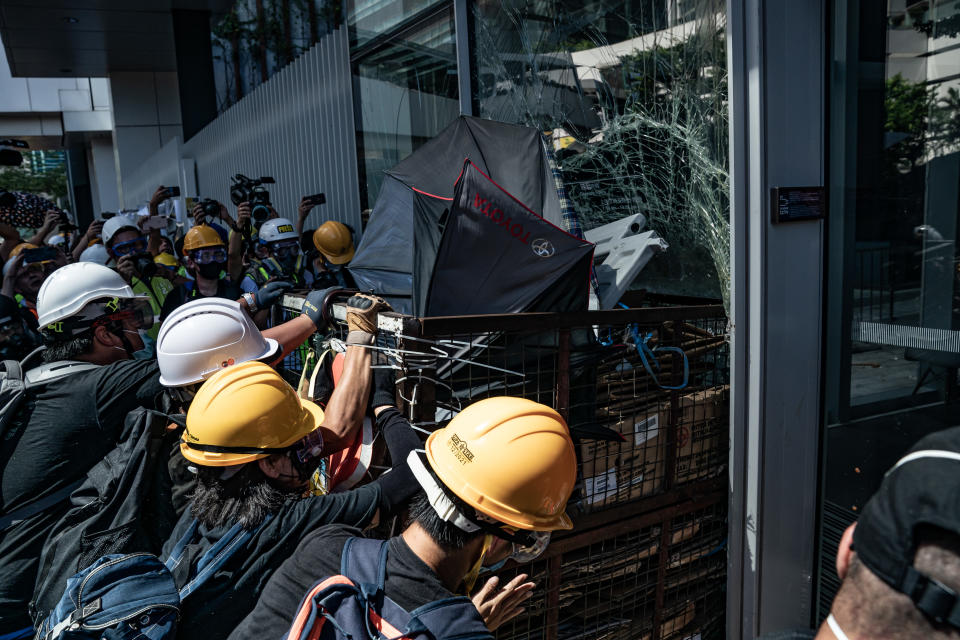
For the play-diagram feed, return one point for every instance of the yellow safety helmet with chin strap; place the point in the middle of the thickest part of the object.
(201, 236)
(511, 459)
(243, 413)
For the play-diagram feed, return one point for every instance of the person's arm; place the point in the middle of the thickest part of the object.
(348, 404)
(50, 220)
(153, 238)
(18, 269)
(94, 230)
(235, 244)
(11, 238)
(302, 212)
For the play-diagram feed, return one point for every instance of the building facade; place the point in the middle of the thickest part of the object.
(702, 115)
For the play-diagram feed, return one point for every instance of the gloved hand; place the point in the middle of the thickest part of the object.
(362, 310)
(270, 293)
(313, 306)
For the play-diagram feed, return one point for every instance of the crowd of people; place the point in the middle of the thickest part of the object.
(162, 469)
(148, 417)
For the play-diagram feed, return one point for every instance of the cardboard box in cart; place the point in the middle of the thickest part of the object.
(615, 472)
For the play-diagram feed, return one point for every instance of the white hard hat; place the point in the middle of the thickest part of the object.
(95, 253)
(203, 336)
(116, 224)
(70, 288)
(277, 229)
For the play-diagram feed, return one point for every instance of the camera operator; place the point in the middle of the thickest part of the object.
(204, 214)
(283, 262)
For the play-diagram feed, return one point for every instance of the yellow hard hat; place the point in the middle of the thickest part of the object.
(243, 413)
(20, 247)
(201, 236)
(166, 259)
(510, 459)
(334, 241)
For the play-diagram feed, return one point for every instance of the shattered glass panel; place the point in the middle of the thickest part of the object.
(634, 96)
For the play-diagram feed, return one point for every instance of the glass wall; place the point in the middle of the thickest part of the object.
(633, 93)
(405, 84)
(258, 37)
(893, 346)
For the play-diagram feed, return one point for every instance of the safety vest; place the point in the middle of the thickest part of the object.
(156, 291)
(260, 271)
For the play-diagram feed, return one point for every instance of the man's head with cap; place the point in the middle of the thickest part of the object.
(900, 563)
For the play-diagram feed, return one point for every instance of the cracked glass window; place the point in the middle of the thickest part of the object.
(633, 94)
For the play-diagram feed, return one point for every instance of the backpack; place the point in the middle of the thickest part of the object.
(353, 605)
(14, 387)
(123, 506)
(133, 596)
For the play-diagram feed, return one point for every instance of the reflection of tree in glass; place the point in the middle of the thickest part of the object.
(658, 142)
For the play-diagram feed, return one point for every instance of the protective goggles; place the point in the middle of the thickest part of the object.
(209, 255)
(286, 249)
(522, 553)
(136, 311)
(130, 247)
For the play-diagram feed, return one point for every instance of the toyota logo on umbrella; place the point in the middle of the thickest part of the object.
(542, 248)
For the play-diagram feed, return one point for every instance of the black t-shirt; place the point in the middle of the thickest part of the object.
(189, 291)
(210, 612)
(73, 423)
(409, 582)
(801, 634)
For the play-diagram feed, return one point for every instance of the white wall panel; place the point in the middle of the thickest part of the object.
(297, 127)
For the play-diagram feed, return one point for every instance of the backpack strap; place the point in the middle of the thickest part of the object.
(456, 614)
(19, 515)
(215, 557)
(365, 562)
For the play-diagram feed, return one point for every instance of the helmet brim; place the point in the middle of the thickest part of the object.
(484, 504)
(341, 259)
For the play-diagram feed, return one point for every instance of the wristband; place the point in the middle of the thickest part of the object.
(361, 338)
(251, 301)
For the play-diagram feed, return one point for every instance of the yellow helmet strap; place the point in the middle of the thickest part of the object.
(470, 579)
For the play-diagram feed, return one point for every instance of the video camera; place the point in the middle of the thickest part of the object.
(251, 190)
(10, 158)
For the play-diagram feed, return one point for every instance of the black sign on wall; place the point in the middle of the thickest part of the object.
(796, 204)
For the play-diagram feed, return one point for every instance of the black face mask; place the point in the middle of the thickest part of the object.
(211, 270)
(288, 264)
(144, 264)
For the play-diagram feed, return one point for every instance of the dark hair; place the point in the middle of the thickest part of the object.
(444, 533)
(306, 241)
(871, 608)
(247, 497)
(68, 349)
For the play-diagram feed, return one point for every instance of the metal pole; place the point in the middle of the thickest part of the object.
(461, 21)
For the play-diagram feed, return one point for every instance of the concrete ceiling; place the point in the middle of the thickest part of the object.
(91, 38)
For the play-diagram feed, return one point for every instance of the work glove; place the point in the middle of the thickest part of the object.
(362, 311)
(270, 293)
(313, 306)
